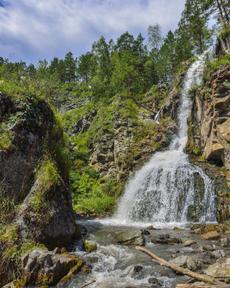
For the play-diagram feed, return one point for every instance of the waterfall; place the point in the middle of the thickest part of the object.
(169, 188)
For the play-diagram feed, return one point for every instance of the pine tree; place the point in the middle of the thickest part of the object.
(154, 37)
(86, 67)
(70, 67)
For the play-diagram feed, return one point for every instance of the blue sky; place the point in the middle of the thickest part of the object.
(36, 29)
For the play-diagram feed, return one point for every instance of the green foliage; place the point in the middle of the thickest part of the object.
(47, 176)
(97, 205)
(196, 151)
(215, 65)
(7, 207)
(5, 139)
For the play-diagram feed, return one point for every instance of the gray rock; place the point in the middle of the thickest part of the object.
(191, 262)
(220, 269)
(165, 239)
(180, 261)
(47, 268)
(225, 242)
(133, 238)
(218, 254)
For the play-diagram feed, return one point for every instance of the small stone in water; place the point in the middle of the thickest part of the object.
(155, 282)
(145, 232)
(151, 228)
(225, 242)
(137, 268)
(188, 243)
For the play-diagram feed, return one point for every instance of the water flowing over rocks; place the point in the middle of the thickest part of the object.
(156, 192)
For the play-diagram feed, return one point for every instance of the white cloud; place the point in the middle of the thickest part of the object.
(34, 29)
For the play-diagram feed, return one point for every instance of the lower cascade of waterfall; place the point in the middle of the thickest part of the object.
(168, 188)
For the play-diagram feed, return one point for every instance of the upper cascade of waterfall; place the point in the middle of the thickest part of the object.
(168, 189)
(192, 78)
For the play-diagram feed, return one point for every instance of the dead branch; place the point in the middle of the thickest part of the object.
(184, 271)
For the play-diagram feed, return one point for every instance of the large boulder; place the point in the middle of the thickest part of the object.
(35, 200)
(42, 267)
(221, 269)
(32, 170)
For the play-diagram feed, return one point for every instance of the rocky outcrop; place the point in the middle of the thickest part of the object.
(31, 173)
(210, 134)
(215, 119)
(35, 201)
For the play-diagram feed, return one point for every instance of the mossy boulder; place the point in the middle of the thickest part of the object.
(89, 246)
(35, 197)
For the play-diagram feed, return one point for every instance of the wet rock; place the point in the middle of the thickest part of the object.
(134, 238)
(221, 269)
(180, 261)
(42, 267)
(137, 268)
(208, 247)
(212, 235)
(177, 229)
(165, 239)
(188, 243)
(206, 258)
(155, 283)
(151, 227)
(166, 272)
(89, 246)
(225, 242)
(145, 232)
(191, 262)
(218, 254)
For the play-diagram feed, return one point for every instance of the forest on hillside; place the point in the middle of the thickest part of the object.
(79, 133)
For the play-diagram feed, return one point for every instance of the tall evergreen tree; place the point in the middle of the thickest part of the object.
(154, 37)
(86, 67)
(70, 67)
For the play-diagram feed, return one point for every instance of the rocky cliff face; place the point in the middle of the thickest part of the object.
(110, 139)
(210, 132)
(35, 199)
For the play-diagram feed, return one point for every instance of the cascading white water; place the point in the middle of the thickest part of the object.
(168, 188)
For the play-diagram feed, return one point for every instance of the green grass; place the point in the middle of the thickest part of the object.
(47, 174)
(47, 177)
(218, 63)
(98, 205)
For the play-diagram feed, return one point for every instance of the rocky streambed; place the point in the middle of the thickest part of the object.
(113, 261)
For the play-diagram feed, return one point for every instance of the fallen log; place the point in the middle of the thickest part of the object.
(194, 286)
(184, 271)
(88, 284)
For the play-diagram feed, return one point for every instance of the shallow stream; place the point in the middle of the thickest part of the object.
(117, 265)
